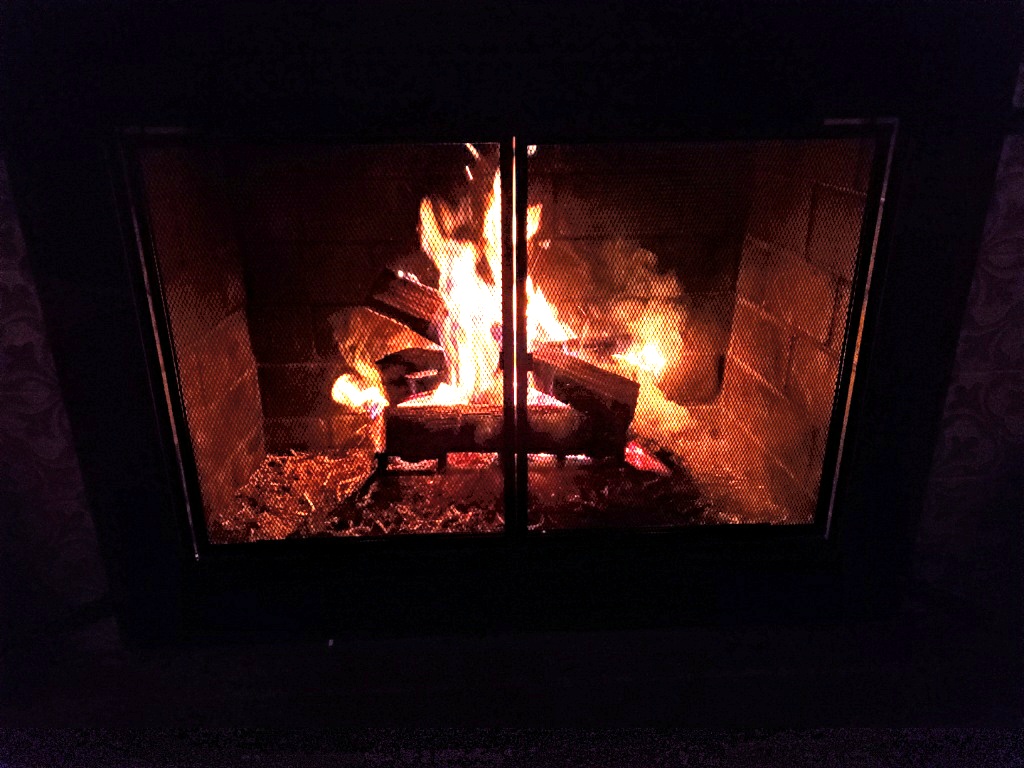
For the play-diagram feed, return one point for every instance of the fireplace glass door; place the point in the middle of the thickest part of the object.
(379, 340)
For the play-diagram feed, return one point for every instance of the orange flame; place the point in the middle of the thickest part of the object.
(647, 358)
(347, 391)
(471, 333)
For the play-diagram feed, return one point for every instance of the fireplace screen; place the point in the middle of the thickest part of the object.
(364, 341)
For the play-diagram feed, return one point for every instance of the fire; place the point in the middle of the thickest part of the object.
(470, 279)
(347, 392)
(465, 245)
(647, 358)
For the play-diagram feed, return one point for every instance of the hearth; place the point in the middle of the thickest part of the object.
(382, 339)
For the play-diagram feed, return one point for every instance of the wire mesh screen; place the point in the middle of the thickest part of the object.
(200, 273)
(312, 297)
(335, 316)
(700, 297)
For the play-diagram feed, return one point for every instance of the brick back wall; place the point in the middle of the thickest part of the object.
(686, 204)
(792, 298)
(201, 276)
(316, 225)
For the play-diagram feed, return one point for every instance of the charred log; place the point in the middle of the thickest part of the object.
(432, 432)
(607, 398)
(408, 301)
(410, 372)
(608, 344)
(363, 335)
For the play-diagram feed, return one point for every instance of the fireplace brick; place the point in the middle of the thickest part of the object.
(772, 493)
(269, 274)
(623, 205)
(781, 211)
(835, 230)
(297, 390)
(761, 343)
(755, 271)
(262, 217)
(838, 162)
(801, 295)
(201, 273)
(323, 333)
(377, 209)
(249, 452)
(282, 334)
(299, 433)
(836, 335)
(225, 357)
(781, 428)
(811, 381)
(337, 273)
(791, 492)
(201, 296)
(218, 428)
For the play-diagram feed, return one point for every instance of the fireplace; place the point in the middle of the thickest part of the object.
(687, 365)
(396, 339)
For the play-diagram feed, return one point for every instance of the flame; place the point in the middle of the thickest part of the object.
(347, 391)
(647, 358)
(470, 279)
(467, 251)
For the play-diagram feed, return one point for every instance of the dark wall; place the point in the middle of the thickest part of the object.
(970, 541)
(49, 557)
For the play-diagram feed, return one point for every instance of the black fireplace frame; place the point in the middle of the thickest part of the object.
(76, 77)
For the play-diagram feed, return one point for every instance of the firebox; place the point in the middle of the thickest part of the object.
(366, 340)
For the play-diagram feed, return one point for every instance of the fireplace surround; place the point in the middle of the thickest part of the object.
(100, 179)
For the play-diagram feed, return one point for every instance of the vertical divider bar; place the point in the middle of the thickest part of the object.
(508, 338)
(521, 197)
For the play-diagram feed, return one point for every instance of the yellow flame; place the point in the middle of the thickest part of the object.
(647, 358)
(347, 392)
(471, 333)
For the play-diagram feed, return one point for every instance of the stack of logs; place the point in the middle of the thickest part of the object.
(594, 420)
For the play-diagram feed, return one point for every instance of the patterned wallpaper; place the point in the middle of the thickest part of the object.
(49, 560)
(971, 528)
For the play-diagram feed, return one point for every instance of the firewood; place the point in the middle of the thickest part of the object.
(597, 346)
(364, 336)
(411, 371)
(408, 301)
(607, 398)
(419, 433)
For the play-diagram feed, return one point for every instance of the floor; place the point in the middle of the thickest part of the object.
(939, 667)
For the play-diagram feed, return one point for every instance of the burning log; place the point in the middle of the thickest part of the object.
(411, 371)
(608, 399)
(363, 335)
(405, 299)
(419, 433)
